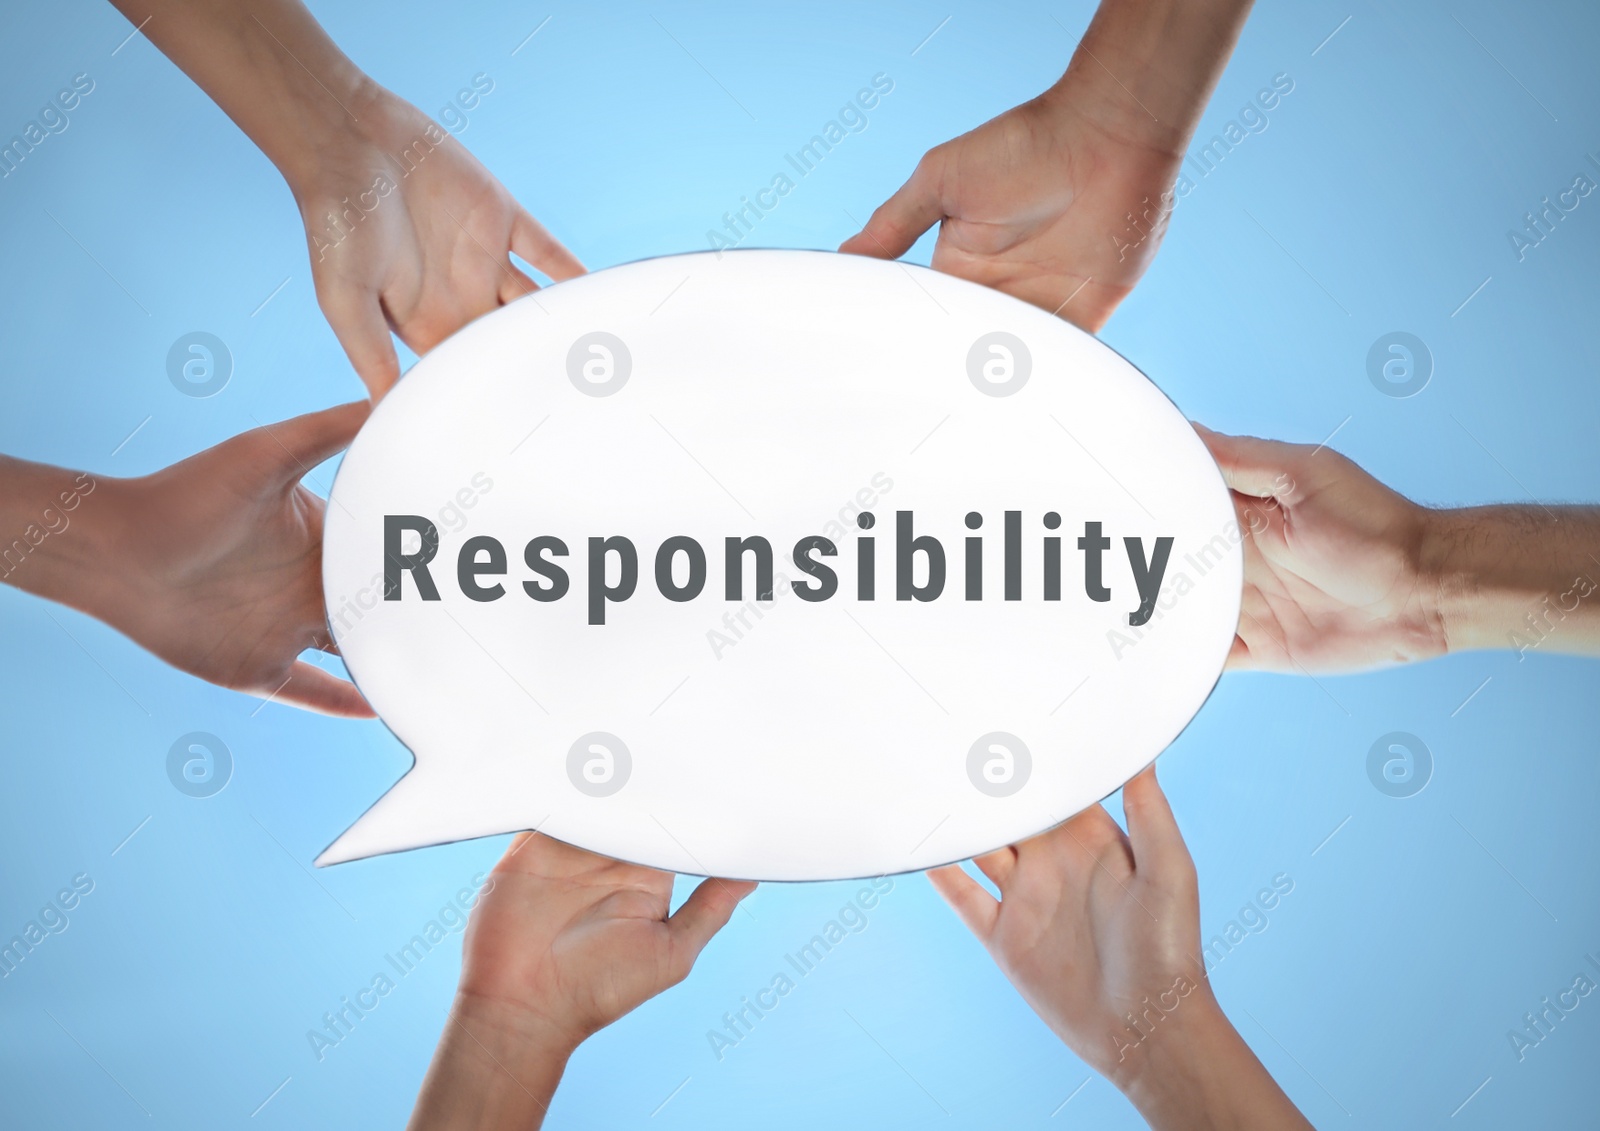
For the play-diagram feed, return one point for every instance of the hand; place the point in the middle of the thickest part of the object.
(576, 940)
(214, 564)
(1030, 202)
(1343, 574)
(1100, 933)
(562, 944)
(1091, 923)
(1337, 575)
(1063, 201)
(406, 230)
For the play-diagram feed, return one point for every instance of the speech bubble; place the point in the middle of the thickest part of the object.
(1004, 571)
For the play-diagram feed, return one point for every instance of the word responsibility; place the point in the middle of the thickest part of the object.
(485, 557)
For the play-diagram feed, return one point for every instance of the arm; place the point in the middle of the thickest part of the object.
(564, 943)
(405, 228)
(1100, 932)
(214, 564)
(1343, 574)
(1062, 202)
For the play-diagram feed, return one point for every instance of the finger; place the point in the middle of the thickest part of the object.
(312, 689)
(1158, 847)
(976, 908)
(1073, 852)
(535, 854)
(703, 914)
(1262, 468)
(998, 865)
(358, 322)
(1238, 656)
(536, 246)
(901, 219)
(302, 442)
(514, 284)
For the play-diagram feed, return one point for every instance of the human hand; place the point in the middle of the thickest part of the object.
(1030, 202)
(1063, 201)
(215, 563)
(1100, 933)
(1338, 575)
(1092, 924)
(573, 940)
(407, 231)
(562, 943)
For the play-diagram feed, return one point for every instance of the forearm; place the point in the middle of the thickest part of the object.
(50, 525)
(493, 1071)
(1198, 1074)
(1145, 69)
(270, 67)
(1516, 577)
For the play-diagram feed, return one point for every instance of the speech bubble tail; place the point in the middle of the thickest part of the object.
(420, 812)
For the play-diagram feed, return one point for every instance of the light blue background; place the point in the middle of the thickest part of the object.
(1414, 939)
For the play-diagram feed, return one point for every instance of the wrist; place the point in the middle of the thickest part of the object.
(496, 1066)
(1144, 70)
(522, 1033)
(59, 533)
(1196, 1073)
(327, 132)
(1504, 576)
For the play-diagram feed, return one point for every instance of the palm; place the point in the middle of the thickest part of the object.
(227, 563)
(1091, 922)
(1332, 581)
(1078, 920)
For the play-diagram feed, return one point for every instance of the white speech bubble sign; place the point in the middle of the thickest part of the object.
(693, 399)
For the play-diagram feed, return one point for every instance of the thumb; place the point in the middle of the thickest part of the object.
(897, 223)
(703, 914)
(297, 445)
